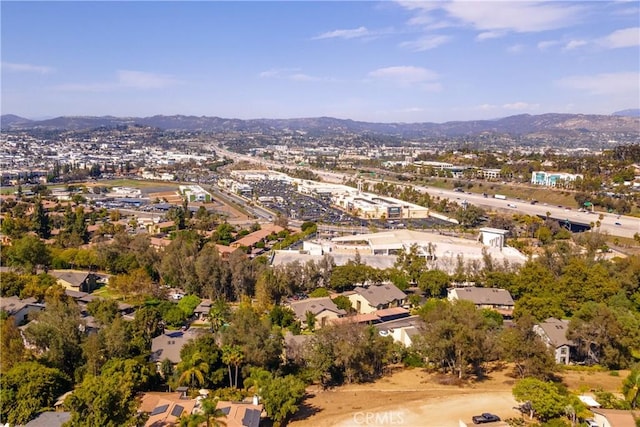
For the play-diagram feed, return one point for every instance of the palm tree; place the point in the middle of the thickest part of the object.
(631, 388)
(193, 370)
(214, 416)
(192, 420)
(218, 315)
(232, 355)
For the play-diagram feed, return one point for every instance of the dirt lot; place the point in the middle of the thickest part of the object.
(413, 398)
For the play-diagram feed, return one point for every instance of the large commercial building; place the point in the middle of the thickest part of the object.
(380, 249)
(553, 179)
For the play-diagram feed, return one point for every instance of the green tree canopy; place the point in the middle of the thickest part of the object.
(28, 253)
(546, 400)
(281, 397)
(456, 335)
(29, 388)
(106, 400)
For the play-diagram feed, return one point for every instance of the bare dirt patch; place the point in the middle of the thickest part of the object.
(414, 398)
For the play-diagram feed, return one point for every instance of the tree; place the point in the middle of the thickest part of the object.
(203, 350)
(103, 310)
(136, 284)
(348, 353)
(600, 335)
(40, 220)
(188, 304)
(546, 400)
(282, 396)
(523, 347)
(411, 263)
(213, 274)
(434, 282)
(28, 253)
(178, 262)
(219, 315)
(147, 324)
(136, 373)
(106, 400)
(232, 355)
(192, 371)
(261, 344)
(469, 216)
(310, 320)
(343, 302)
(57, 334)
(12, 350)
(166, 369)
(214, 417)
(631, 387)
(28, 388)
(455, 336)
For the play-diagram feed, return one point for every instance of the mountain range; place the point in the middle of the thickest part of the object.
(625, 122)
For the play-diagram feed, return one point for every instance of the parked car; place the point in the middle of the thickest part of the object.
(591, 422)
(485, 417)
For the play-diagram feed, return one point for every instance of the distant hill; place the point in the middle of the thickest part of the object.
(552, 125)
(632, 112)
(9, 120)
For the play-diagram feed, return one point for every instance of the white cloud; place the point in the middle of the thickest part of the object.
(27, 68)
(544, 45)
(125, 79)
(628, 37)
(278, 73)
(623, 83)
(514, 106)
(497, 18)
(486, 107)
(521, 106)
(486, 35)
(425, 43)
(518, 16)
(269, 73)
(344, 34)
(293, 74)
(300, 77)
(574, 44)
(516, 48)
(408, 75)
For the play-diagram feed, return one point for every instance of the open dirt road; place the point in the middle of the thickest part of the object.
(413, 398)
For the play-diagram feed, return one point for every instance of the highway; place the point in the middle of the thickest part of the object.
(612, 224)
(627, 228)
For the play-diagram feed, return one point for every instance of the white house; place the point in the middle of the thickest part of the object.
(554, 334)
(20, 309)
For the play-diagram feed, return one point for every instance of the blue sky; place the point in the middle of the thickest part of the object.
(389, 61)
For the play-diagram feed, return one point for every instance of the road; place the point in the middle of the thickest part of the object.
(627, 228)
(614, 225)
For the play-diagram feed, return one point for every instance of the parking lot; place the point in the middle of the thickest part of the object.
(283, 198)
(287, 201)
